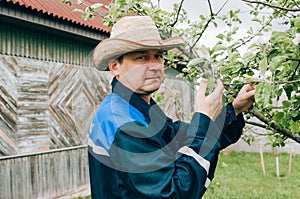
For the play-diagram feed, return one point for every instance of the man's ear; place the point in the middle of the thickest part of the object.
(114, 67)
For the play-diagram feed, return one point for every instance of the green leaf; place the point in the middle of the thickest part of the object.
(288, 89)
(196, 61)
(294, 113)
(69, 2)
(78, 10)
(279, 92)
(295, 126)
(263, 65)
(91, 16)
(256, 20)
(96, 6)
(210, 85)
(85, 16)
(276, 62)
(278, 117)
(220, 36)
(263, 93)
(286, 104)
(215, 24)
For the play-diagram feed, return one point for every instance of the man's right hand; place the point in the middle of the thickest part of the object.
(210, 105)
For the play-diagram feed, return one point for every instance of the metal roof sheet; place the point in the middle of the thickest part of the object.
(65, 12)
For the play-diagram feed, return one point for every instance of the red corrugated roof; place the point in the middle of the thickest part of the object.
(65, 12)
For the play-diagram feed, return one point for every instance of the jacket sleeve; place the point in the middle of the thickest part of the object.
(232, 126)
(149, 169)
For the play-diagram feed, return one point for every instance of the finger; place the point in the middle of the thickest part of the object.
(249, 87)
(251, 93)
(248, 96)
(218, 89)
(202, 87)
(220, 86)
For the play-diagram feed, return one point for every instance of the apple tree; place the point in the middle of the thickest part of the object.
(272, 63)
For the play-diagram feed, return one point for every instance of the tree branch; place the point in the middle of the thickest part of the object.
(288, 82)
(256, 124)
(275, 126)
(200, 34)
(258, 32)
(212, 16)
(177, 15)
(296, 3)
(294, 73)
(277, 83)
(273, 6)
(293, 59)
(243, 42)
(210, 8)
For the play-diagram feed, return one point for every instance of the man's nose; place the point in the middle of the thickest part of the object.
(154, 65)
(154, 62)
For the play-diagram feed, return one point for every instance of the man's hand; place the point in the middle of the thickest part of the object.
(244, 99)
(210, 105)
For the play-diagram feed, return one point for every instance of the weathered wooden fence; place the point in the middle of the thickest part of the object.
(51, 174)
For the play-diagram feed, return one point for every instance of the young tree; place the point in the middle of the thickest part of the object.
(274, 64)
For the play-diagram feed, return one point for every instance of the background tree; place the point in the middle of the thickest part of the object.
(272, 64)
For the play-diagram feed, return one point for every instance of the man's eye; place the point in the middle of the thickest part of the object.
(140, 58)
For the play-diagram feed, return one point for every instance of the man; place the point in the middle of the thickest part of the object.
(135, 150)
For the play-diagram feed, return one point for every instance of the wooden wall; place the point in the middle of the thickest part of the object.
(46, 105)
(59, 173)
(44, 45)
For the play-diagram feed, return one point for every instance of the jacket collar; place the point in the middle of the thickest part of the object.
(136, 100)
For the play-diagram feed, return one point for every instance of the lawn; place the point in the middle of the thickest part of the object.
(239, 175)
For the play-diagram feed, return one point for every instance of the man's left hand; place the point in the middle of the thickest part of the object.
(244, 99)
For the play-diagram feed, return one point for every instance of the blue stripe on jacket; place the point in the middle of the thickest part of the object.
(116, 112)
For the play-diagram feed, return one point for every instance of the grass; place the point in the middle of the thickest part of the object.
(239, 175)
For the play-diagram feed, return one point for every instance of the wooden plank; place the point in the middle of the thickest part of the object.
(44, 175)
(8, 107)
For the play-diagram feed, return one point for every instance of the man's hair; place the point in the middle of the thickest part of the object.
(120, 59)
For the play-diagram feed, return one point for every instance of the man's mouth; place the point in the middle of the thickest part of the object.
(152, 78)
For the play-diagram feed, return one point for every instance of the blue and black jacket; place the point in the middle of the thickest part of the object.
(136, 151)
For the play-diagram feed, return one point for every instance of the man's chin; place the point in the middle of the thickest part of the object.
(148, 92)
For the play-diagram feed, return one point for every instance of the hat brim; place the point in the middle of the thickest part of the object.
(113, 47)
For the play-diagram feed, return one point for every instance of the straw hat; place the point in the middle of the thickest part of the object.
(130, 34)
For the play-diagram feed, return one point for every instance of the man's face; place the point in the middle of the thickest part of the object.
(140, 71)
